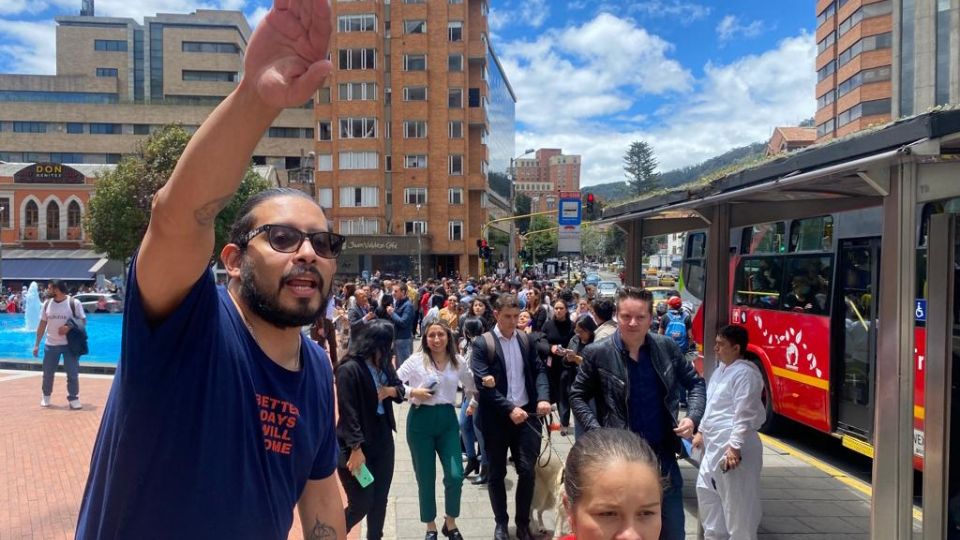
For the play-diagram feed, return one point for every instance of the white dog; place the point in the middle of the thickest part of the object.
(547, 489)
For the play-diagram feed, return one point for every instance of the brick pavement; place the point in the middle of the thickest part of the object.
(45, 453)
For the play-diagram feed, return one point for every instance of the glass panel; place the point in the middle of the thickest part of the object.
(764, 238)
(758, 282)
(814, 234)
(808, 279)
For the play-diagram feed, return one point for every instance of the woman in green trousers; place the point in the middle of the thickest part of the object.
(431, 378)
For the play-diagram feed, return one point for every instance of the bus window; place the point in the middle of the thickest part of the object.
(807, 284)
(758, 282)
(814, 234)
(696, 245)
(763, 238)
(694, 278)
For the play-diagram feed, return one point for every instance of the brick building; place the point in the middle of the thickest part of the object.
(544, 175)
(788, 139)
(415, 123)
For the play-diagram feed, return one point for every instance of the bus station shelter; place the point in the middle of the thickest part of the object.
(909, 172)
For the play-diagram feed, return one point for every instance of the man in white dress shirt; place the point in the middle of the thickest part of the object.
(508, 410)
(728, 485)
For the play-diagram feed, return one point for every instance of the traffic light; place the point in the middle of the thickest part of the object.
(591, 200)
(483, 249)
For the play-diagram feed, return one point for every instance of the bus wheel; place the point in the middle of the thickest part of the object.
(772, 420)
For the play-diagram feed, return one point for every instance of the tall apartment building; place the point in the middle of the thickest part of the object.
(543, 176)
(117, 80)
(417, 116)
(854, 65)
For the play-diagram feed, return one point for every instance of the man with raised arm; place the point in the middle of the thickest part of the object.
(221, 416)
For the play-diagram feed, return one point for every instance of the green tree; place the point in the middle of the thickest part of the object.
(119, 210)
(592, 239)
(640, 166)
(523, 208)
(615, 243)
(543, 245)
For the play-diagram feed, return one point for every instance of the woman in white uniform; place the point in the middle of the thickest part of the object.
(728, 485)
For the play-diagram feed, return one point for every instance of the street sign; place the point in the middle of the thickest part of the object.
(569, 210)
(568, 239)
(920, 310)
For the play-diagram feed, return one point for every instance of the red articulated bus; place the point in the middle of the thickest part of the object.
(806, 291)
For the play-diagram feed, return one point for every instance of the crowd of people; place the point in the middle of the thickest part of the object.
(14, 301)
(222, 417)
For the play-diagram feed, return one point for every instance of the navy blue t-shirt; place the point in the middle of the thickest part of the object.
(647, 413)
(203, 436)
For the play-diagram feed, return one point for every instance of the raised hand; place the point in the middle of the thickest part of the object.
(286, 60)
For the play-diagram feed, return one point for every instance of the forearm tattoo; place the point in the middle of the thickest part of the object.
(321, 531)
(208, 212)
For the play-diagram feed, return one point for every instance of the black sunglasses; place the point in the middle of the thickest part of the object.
(286, 239)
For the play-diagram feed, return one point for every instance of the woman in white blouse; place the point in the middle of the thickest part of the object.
(431, 378)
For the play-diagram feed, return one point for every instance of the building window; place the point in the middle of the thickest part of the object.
(325, 197)
(358, 160)
(455, 98)
(455, 230)
(455, 62)
(5, 212)
(31, 214)
(826, 70)
(866, 76)
(363, 22)
(827, 12)
(826, 128)
(74, 128)
(210, 47)
(417, 161)
(324, 130)
(358, 128)
(358, 58)
(359, 197)
(455, 31)
(66, 157)
(29, 127)
(415, 195)
(829, 40)
(388, 130)
(73, 214)
(359, 226)
(456, 129)
(324, 162)
(141, 129)
(100, 128)
(415, 27)
(826, 99)
(285, 133)
(53, 221)
(411, 228)
(210, 76)
(414, 93)
(865, 12)
(110, 45)
(388, 163)
(866, 108)
(106, 72)
(359, 91)
(869, 43)
(414, 62)
(455, 195)
(456, 164)
(414, 129)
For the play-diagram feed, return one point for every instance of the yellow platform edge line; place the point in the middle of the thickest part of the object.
(829, 470)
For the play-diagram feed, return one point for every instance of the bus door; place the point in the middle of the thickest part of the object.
(855, 336)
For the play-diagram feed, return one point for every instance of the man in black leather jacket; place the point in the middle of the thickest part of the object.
(634, 379)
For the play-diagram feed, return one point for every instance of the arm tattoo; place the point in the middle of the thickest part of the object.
(208, 212)
(321, 531)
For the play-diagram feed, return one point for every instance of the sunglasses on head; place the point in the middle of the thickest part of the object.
(286, 239)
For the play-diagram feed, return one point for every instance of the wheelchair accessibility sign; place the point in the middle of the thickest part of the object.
(920, 310)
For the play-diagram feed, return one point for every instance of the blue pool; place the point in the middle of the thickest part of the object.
(103, 331)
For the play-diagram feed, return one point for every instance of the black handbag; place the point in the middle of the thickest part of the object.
(76, 336)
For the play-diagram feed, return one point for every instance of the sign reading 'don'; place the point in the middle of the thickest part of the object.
(48, 173)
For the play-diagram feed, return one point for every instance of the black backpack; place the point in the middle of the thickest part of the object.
(76, 336)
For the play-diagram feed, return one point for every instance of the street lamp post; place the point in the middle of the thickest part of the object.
(512, 250)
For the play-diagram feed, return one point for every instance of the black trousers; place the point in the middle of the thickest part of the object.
(370, 501)
(523, 442)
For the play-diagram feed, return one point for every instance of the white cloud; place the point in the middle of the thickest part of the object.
(731, 105)
(257, 15)
(683, 12)
(497, 19)
(730, 27)
(534, 12)
(28, 45)
(572, 74)
(17, 7)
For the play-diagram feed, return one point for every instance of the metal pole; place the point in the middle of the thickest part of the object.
(419, 248)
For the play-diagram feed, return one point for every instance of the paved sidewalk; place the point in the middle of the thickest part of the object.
(45, 453)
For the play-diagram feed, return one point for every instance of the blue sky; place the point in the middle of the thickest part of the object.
(693, 78)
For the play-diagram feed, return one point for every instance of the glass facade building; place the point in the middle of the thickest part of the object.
(501, 140)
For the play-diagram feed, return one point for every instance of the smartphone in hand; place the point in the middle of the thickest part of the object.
(432, 387)
(363, 475)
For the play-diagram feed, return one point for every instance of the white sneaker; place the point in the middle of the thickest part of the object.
(44, 401)
(75, 404)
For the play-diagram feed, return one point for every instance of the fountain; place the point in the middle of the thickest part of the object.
(32, 308)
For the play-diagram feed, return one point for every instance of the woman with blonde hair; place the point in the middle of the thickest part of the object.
(430, 380)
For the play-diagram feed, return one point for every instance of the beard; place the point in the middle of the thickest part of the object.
(267, 306)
